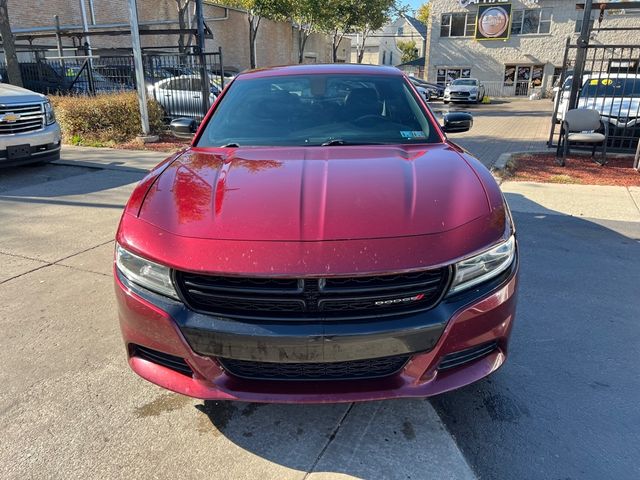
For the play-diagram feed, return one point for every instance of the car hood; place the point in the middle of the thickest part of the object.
(315, 193)
(617, 107)
(12, 94)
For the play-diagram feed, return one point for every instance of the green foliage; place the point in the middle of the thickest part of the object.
(103, 120)
(409, 50)
(423, 13)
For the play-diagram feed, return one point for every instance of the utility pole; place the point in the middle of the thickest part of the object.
(13, 67)
(139, 69)
(581, 54)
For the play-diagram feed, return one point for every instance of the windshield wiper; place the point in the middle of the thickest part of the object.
(333, 141)
(231, 145)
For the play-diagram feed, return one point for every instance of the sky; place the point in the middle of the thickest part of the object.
(414, 4)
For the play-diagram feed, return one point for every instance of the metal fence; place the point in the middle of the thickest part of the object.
(610, 84)
(185, 85)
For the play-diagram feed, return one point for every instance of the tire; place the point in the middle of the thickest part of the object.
(446, 102)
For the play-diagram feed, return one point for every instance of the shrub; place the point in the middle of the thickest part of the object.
(103, 120)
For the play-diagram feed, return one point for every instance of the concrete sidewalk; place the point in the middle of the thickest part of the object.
(71, 408)
(621, 204)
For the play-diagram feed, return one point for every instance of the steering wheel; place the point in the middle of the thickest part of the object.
(369, 120)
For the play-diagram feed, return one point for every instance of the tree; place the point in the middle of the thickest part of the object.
(13, 67)
(355, 16)
(306, 16)
(373, 15)
(423, 13)
(183, 7)
(409, 50)
(256, 11)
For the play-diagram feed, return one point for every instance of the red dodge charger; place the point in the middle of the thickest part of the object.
(321, 240)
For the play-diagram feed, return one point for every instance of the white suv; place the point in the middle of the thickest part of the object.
(29, 132)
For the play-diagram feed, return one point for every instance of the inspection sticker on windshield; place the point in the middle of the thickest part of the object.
(412, 134)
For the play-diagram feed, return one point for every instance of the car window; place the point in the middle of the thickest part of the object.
(612, 87)
(464, 81)
(311, 110)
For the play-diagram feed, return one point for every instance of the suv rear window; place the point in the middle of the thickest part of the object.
(311, 110)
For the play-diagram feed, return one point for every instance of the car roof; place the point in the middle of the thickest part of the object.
(318, 69)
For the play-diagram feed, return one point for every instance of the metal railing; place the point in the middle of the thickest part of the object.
(178, 82)
(610, 84)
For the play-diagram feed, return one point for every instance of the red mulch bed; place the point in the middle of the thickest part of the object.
(580, 169)
(167, 143)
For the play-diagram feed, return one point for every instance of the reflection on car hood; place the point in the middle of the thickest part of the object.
(617, 107)
(315, 193)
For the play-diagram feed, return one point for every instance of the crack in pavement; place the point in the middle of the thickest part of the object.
(332, 437)
(56, 262)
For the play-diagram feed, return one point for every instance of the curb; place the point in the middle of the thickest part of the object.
(504, 158)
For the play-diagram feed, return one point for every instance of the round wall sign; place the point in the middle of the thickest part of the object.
(493, 22)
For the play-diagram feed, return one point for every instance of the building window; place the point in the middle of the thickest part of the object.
(400, 31)
(535, 20)
(390, 58)
(384, 57)
(445, 76)
(457, 24)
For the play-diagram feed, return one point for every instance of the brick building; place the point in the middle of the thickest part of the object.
(531, 56)
(276, 41)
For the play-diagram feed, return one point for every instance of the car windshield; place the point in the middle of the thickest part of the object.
(319, 109)
(464, 81)
(611, 87)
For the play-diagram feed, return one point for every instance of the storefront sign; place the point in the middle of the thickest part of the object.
(466, 3)
(493, 22)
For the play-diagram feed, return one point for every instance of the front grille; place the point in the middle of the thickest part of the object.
(170, 361)
(314, 298)
(459, 94)
(465, 356)
(31, 117)
(352, 370)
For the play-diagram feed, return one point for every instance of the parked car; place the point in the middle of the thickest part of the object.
(29, 132)
(464, 90)
(435, 91)
(616, 96)
(182, 95)
(40, 77)
(421, 88)
(310, 247)
(77, 81)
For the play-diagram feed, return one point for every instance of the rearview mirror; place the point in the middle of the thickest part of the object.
(457, 122)
(183, 127)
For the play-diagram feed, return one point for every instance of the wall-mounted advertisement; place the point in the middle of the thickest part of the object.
(493, 22)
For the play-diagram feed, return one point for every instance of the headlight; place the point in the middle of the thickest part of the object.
(49, 116)
(145, 273)
(484, 266)
(474, 90)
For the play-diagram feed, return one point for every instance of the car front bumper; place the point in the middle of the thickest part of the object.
(479, 319)
(452, 97)
(44, 146)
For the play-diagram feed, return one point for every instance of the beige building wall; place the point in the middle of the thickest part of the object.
(276, 42)
(487, 59)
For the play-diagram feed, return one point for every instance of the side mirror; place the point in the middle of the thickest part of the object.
(183, 127)
(457, 122)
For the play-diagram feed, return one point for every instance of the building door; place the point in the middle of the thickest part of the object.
(523, 76)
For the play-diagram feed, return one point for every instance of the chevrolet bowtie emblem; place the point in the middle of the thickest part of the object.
(10, 117)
